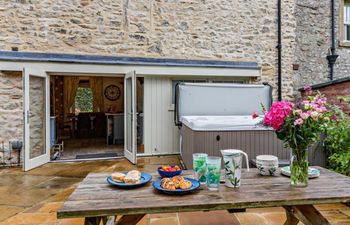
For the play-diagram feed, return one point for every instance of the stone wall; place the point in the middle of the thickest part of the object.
(212, 29)
(11, 107)
(313, 41)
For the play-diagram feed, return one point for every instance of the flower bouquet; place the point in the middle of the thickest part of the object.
(299, 125)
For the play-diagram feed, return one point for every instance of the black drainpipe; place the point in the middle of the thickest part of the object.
(332, 56)
(279, 47)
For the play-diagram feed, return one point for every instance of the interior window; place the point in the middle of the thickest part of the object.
(83, 100)
(347, 20)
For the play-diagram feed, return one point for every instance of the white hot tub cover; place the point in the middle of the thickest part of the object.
(221, 107)
(223, 123)
(212, 99)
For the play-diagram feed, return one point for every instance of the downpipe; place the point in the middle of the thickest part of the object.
(332, 56)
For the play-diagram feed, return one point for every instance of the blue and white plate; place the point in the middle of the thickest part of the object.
(195, 185)
(313, 172)
(145, 177)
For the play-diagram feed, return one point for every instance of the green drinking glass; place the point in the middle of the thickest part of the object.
(200, 166)
(213, 173)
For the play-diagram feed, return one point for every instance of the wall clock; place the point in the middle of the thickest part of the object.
(112, 92)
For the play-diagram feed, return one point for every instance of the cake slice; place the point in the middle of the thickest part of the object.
(132, 177)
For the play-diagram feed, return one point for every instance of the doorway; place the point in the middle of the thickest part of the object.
(89, 117)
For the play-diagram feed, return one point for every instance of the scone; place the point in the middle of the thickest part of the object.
(118, 177)
(132, 177)
(177, 181)
(166, 183)
(163, 181)
(185, 184)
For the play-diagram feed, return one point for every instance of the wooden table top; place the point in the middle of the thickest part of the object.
(95, 197)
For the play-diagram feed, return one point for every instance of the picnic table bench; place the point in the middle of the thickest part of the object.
(97, 201)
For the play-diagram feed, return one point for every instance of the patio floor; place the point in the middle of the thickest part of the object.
(35, 196)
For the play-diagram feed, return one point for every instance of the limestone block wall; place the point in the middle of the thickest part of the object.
(211, 29)
(313, 41)
(11, 106)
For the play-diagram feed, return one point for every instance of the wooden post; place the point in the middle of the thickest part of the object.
(130, 219)
(307, 214)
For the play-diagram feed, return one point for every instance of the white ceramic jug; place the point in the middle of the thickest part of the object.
(233, 166)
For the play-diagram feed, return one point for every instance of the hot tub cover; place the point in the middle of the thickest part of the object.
(223, 123)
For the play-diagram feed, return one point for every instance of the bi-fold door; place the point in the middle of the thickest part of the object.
(36, 118)
(130, 132)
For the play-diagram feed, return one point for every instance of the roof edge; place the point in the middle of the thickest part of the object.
(122, 60)
(327, 83)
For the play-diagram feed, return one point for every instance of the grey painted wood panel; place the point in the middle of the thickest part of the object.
(253, 142)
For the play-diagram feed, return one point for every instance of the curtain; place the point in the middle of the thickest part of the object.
(96, 84)
(70, 87)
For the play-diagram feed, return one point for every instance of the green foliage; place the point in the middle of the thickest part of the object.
(83, 100)
(340, 162)
(337, 143)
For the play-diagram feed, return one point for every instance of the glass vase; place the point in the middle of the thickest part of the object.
(299, 166)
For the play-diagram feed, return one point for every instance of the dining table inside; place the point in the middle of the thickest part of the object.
(98, 201)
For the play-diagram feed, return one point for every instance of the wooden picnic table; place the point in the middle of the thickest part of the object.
(97, 201)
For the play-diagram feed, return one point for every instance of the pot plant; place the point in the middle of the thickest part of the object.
(299, 125)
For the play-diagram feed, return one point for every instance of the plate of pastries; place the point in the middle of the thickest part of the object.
(176, 185)
(131, 179)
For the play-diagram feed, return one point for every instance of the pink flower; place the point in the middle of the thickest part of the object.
(321, 109)
(304, 116)
(298, 112)
(334, 117)
(308, 90)
(278, 112)
(298, 122)
(307, 106)
(255, 115)
(314, 115)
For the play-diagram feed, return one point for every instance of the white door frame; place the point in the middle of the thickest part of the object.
(130, 154)
(28, 163)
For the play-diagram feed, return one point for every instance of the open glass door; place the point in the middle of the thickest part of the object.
(130, 117)
(36, 118)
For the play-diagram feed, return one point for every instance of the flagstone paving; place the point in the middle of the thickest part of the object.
(33, 198)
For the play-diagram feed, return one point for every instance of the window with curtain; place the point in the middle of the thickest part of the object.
(347, 20)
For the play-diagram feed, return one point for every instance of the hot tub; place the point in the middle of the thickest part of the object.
(210, 134)
(212, 117)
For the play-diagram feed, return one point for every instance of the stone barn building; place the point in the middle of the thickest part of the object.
(126, 56)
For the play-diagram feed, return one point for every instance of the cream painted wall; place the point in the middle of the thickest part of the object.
(161, 135)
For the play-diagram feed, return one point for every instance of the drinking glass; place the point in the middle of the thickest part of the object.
(213, 173)
(200, 166)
